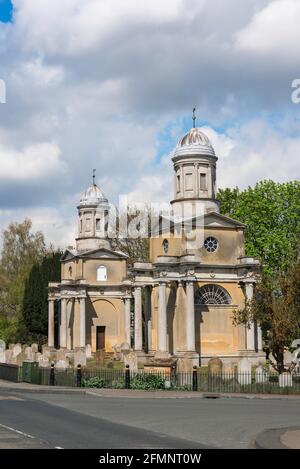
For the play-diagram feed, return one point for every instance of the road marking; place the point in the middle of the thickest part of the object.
(17, 431)
(58, 447)
(10, 398)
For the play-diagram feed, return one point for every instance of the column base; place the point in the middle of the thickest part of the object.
(159, 355)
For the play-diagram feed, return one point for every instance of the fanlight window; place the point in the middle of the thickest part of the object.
(101, 273)
(212, 295)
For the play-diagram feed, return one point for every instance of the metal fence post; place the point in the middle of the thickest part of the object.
(127, 377)
(195, 379)
(78, 376)
(52, 375)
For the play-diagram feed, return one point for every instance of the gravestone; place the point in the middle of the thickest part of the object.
(124, 350)
(62, 364)
(117, 352)
(9, 358)
(46, 351)
(2, 351)
(61, 354)
(228, 371)
(99, 356)
(131, 359)
(215, 366)
(80, 358)
(29, 354)
(35, 347)
(88, 351)
(285, 380)
(244, 371)
(261, 375)
(17, 349)
(42, 361)
(20, 358)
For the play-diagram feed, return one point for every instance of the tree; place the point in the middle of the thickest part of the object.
(133, 244)
(271, 213)
(276, 307)
(21, 250)
(35, 301)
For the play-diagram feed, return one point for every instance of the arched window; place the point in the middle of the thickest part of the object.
(165, 244)
(101, 273)
(212, 295)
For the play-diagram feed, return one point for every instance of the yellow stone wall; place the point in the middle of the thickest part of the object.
(231, 246)
(87, 269)
(99, 312)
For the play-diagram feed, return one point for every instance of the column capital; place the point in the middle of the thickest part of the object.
(190, 282)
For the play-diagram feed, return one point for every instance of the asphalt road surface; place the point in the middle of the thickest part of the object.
(87, 421)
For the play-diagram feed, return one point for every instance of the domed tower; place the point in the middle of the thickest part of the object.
(93, 211)
(195, 172)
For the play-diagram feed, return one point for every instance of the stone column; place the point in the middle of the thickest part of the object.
(127, 320)
(50, 323)
(162, 318)
(190, 317)
(259, 338)
(138, 334)
(82, 335)
(250, 328)
(148, 318)
(63, 323)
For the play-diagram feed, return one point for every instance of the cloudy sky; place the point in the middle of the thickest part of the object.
(110, 84)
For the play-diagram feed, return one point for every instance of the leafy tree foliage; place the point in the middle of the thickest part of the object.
(35, 302)
(271, 213)
(21, 250)
(276, 307)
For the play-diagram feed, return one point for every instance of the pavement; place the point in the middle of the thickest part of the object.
(279, 438)
(106, 418)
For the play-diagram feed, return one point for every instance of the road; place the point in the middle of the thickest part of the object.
(87, 421)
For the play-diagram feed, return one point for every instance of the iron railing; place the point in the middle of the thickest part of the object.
(198, 380)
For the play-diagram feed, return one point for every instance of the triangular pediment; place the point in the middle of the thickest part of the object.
(212, 219)
(216, 219)
(101, 253)
(67, 255)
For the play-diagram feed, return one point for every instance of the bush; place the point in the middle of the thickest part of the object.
(94, 382)
(147, 381)
(118, 384)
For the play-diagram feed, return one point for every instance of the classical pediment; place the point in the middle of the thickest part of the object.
(216, 219)
(212, 219)
(102, 253)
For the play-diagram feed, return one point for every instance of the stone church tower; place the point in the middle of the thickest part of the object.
(93, 294)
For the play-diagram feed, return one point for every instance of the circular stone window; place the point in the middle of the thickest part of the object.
(211, 244)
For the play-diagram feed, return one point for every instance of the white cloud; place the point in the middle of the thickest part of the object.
(59, 229)
(72, 27)
(43, 75)
(259, 151)
(273, 31)
(35, 161)
(95, 84)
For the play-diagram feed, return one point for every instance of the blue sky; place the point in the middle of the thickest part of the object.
(5, 10)
(111, 85)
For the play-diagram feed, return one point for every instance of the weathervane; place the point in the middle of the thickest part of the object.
(94, 176)
(194, 117)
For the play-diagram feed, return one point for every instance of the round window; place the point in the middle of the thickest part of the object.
(211, 244)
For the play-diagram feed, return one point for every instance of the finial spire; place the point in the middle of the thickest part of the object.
(194, 117)
(94, 177)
